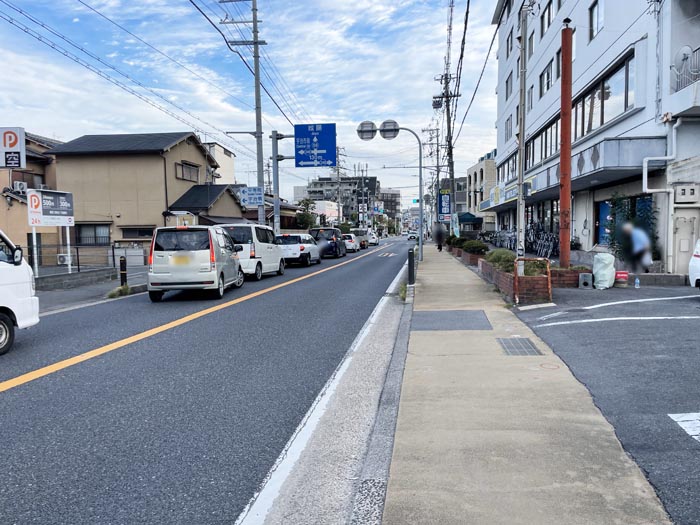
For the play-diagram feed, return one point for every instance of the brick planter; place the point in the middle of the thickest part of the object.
(565, 278)
(449, 248)
(531, 289)
(471, 259)
(457, 253)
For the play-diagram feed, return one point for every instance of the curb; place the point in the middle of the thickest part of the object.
(368, 505)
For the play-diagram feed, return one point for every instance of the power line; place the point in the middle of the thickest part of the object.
(164, 54)
(460, 64)
(478, 83)
(232, 49)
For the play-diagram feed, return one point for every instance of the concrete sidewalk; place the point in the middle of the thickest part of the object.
(487, 437)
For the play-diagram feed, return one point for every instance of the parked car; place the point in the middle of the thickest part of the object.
(193, 258)
(362, 235)
(300, 249)
(412, 235)
(373, 239)
(19, 307)
(694, 266)
(330, 241)
(351, 243)
(261, 252)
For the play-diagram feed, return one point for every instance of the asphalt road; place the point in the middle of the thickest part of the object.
(181, 424)
(640, 361)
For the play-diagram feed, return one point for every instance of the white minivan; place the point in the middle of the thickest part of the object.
(19, 307)
(261, 252)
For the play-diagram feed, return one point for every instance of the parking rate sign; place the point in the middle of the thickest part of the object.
(314, 145)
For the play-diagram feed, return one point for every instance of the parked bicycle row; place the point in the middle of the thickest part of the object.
(537, 240)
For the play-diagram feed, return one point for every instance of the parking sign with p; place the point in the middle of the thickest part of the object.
(12, 148)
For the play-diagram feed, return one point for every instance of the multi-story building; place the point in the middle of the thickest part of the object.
(226, 159)
(636, 67)
(391, 200)
(355, 193)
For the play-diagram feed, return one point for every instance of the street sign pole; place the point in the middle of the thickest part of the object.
(70, 256)
(275, 183)
(35, 255)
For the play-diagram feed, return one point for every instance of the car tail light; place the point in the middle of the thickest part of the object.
(252, 250)
(212, 254)
(150, 255)
(333, 239)
(301, 248)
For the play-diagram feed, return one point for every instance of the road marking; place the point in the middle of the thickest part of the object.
(387, 254)
(260, 504)
(550, 316)
(607, 319)
(86, 305)
(72, 361)
(689, 422)
(603, 305)
(535, 306)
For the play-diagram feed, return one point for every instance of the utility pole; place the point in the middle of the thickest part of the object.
(524, 13)
(434, 134)
(256, 43)
(565, 148)
(337, 172)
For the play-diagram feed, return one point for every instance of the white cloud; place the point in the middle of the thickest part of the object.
(344, 61)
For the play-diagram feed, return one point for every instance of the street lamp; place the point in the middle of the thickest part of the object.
(389, 129)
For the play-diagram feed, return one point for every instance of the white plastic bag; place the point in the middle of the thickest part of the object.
(603, 271)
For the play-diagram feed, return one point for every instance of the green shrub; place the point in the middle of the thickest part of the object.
(451, 240)
(475, 247)
(501, 259)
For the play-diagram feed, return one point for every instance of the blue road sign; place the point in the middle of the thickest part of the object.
(314, 145)
(252, 196)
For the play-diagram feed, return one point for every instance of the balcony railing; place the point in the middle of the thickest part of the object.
(689, 72)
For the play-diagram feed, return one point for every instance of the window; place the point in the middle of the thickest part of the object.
(509, 128)
(559, 63)
(509, 43)
(509, 85)
(517, 115)
(614, 95)
(531, 45)
(546, 18)
(546, 78)
(92, 234)
(5, 252)
(240, 234)
(186, 171)
(595, 18)
(543, 145)
(181, 240)
(517, 68)
(137, 233)
(530, 96)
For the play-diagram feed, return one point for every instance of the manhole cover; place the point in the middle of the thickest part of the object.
(518, 346)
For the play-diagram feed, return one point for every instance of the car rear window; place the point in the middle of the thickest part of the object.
(240, 234)
(361, 233)
(181, 240)
(289, 239)
(347, 237)
(323, 234)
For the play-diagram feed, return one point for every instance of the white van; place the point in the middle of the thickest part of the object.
(261, 252)
(19, 307)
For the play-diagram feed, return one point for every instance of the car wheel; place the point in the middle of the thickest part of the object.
(220, 288)
(7, 333)
(306, 261)
(280, 270)
(338, 255)
(155, 297)
(240, 279)
(258, 272)
(319, 259)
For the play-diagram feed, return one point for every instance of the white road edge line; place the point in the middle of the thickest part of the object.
(641, 301)
(690, 422)
(549, 316)
(260, 504)
(535, 306)
(606, 319)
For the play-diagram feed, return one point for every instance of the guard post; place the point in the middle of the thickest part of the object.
(122, 270)
(411, 266)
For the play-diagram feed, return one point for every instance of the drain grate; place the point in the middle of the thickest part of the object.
(518, 346)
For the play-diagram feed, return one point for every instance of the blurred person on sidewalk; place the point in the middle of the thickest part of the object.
(640, 245)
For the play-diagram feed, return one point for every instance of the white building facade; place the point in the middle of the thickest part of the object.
(636, 73)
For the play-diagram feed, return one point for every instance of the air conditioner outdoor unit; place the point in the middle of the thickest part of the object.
(63, 259)
(20, 187)
(44, 187)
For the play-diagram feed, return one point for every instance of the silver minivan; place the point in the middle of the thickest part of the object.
(193, 258)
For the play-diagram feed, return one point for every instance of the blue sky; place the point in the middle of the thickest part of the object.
(327, 61)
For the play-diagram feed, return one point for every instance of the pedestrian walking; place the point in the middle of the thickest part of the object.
(640, 245)
(439, 235)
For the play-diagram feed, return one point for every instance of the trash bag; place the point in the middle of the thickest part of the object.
(603, 271)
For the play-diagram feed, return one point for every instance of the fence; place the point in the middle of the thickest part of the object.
(689, 72)
(54, 259)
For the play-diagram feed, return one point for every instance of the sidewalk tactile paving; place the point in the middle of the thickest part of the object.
(518, 346)
(450, 320)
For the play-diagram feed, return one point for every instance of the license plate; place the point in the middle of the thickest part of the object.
(180, 260)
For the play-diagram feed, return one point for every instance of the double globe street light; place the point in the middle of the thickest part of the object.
(389, 129)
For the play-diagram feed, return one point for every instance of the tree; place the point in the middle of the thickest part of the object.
(306, 220)
(307, 205)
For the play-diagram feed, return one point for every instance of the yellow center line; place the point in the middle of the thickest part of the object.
(72, 361)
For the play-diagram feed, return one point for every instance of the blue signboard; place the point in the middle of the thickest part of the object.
(252, 196)
(444, 207)
(314, 145)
